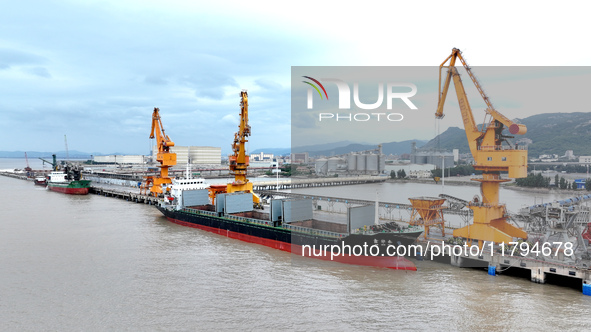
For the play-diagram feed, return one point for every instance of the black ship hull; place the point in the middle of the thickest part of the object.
(384, 249)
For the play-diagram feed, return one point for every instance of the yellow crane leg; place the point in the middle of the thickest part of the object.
(498, 231)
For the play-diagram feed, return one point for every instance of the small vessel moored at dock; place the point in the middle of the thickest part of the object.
(58, 182)
(69, 181)
(40, 181)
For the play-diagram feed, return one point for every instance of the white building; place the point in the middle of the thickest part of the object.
(120, 159)
(585, 159)
(419, 171)
(204, 155)
(261, 156)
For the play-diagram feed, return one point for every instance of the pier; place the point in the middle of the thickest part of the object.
(128, 194)
(295, 183)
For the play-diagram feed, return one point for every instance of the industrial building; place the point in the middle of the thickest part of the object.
(300, 158)
(119, 159)
(437, 158)
(370, 162)
(200, 155)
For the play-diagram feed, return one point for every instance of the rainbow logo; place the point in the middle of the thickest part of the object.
(315, 87)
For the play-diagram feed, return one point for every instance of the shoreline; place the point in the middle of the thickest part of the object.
(465, 181)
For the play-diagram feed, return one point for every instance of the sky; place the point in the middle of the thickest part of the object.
(94, 70)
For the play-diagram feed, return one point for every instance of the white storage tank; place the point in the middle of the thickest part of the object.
(321, 166)
(333, 164)
(351, 162)
(361, 162)
(372, 163)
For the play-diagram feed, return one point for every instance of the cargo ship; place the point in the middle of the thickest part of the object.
(235, 211)
(289, 225)
(69, 181)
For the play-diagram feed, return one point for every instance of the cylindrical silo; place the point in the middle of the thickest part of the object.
(320, 166)
(372, 163)
(351, 162)
(360, 163)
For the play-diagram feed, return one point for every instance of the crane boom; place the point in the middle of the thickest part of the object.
(490, 156)
(486, 143)
(514, 128)
(166, 158)
(239, 161)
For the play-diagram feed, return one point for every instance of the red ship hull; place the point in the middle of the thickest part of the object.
(69, 191)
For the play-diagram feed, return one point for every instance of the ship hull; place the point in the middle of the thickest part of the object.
(81, 187)
(306, 245)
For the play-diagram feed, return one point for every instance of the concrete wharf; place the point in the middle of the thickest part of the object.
(295, 183)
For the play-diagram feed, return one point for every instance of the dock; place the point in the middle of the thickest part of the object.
(295, 183)
(128, 194)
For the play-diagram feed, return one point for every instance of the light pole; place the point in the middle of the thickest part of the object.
(277, 171)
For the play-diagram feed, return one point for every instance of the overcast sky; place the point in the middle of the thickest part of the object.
(94, 70)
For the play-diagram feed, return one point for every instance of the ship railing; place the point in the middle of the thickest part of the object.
(202, 212)
(411, 228)
(312, 231)
(249, 220)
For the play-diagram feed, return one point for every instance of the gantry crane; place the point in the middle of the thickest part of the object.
(239, 161)
(166, 158)
(54, 165)
(28, 168)
(490, 156)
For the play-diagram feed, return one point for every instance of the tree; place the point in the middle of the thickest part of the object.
(563, 183)
(532, 180)
(393, 174)
(556, 180)
(436, 172)
(588, 184)
(401, 174)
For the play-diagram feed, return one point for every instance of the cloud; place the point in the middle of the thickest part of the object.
(154, 80)
(268, 84)
(13, 57)
(230, 119)
(39, 71)
(209, 85)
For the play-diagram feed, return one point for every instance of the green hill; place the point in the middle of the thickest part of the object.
(551, 133)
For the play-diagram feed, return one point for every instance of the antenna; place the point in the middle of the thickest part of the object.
(67, 153)
(188, 175)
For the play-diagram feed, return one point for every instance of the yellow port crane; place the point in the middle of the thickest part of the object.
(239, 161)
(490, 156)
(166, 158)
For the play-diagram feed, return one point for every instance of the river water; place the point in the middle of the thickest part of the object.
(91, 263)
